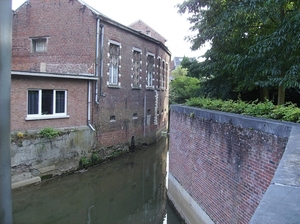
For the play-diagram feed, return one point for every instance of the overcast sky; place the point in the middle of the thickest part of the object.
(161, 15)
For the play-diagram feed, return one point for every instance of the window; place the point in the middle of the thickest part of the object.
(135, 116)
(136, 68)
(38, 45)
(163, 76)
(158, 73)
(114, 53)
(150, 70)
(167, 76)
(45, 104)
(112, 118)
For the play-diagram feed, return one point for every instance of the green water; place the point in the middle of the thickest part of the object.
(128, 189)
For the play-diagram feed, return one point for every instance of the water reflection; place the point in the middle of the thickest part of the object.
(130, 189)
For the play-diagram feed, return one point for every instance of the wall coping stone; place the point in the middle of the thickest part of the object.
(281, 203)
(279, 128)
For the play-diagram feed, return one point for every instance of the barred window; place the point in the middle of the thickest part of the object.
(150, 70)
(136, 68)
(114, 53)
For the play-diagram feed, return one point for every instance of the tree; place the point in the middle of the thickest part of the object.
(179, 71)
(183, 87)
(192, 66)
(254, 43)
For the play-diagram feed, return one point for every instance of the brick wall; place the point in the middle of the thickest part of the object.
(123, 102)
(225, 165)
(70, 29)
(71, 32)
(77, 102)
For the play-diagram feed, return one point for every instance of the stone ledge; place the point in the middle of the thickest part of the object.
(27, 182)
(189, 210)
(281, 202)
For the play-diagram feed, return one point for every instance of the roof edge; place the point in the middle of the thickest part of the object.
(55, 75)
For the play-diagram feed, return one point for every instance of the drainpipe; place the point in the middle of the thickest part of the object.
(145, 114)
(101, 60)
(89, 106)
(97, 75)
(97, 60)
(5, 83)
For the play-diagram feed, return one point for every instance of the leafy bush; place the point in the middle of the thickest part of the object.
(84, 162)
(287, 112)
(183, 88)
(48, 133)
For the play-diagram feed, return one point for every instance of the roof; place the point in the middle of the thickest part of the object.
(144, 28)
(91, 8)
(133, 28)
(156, 38)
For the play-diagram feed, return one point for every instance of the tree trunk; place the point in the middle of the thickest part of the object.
(281, 95)
(264, 94)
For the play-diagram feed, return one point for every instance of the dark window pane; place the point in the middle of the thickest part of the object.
(47, 102)
(33, 102)
(60, 102)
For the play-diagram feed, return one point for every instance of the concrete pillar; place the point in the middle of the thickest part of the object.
(5, 82)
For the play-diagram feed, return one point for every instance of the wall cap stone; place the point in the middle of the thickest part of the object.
(279, 128)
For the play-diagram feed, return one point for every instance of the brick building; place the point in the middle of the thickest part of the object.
(73, 66)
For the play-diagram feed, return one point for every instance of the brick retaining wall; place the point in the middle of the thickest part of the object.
(225, 162)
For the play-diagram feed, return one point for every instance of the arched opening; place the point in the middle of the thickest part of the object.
(132, 144)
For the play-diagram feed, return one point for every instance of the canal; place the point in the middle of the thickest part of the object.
(129, 189)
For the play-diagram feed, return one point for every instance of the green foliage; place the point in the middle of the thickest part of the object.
(179, 71)
(117, 153)
(192, 66)
(84, 162)
(183, 88)
(254, 43)
(94, 157)
(287, 112)
(48, 133)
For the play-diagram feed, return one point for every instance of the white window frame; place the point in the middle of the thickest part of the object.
(39, 44)
(134, 49)
(166, 75)
(159, 60)
(150, 74)
(163, 75)
(113, 73)
(54, 115)
(149, 79)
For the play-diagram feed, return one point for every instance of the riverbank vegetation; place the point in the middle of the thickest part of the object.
(253, 65)
(287, 112)
(255, 46)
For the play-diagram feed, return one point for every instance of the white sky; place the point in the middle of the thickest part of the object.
(161, 15)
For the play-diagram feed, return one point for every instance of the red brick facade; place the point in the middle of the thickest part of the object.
(225, 168)
(76, 107)
(68, 30)
(70, 33)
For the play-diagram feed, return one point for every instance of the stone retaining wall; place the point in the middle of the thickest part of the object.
(33, 156)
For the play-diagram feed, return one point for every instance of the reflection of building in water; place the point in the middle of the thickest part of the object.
(129, 189)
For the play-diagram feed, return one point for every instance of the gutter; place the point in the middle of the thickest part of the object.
(49, 75)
